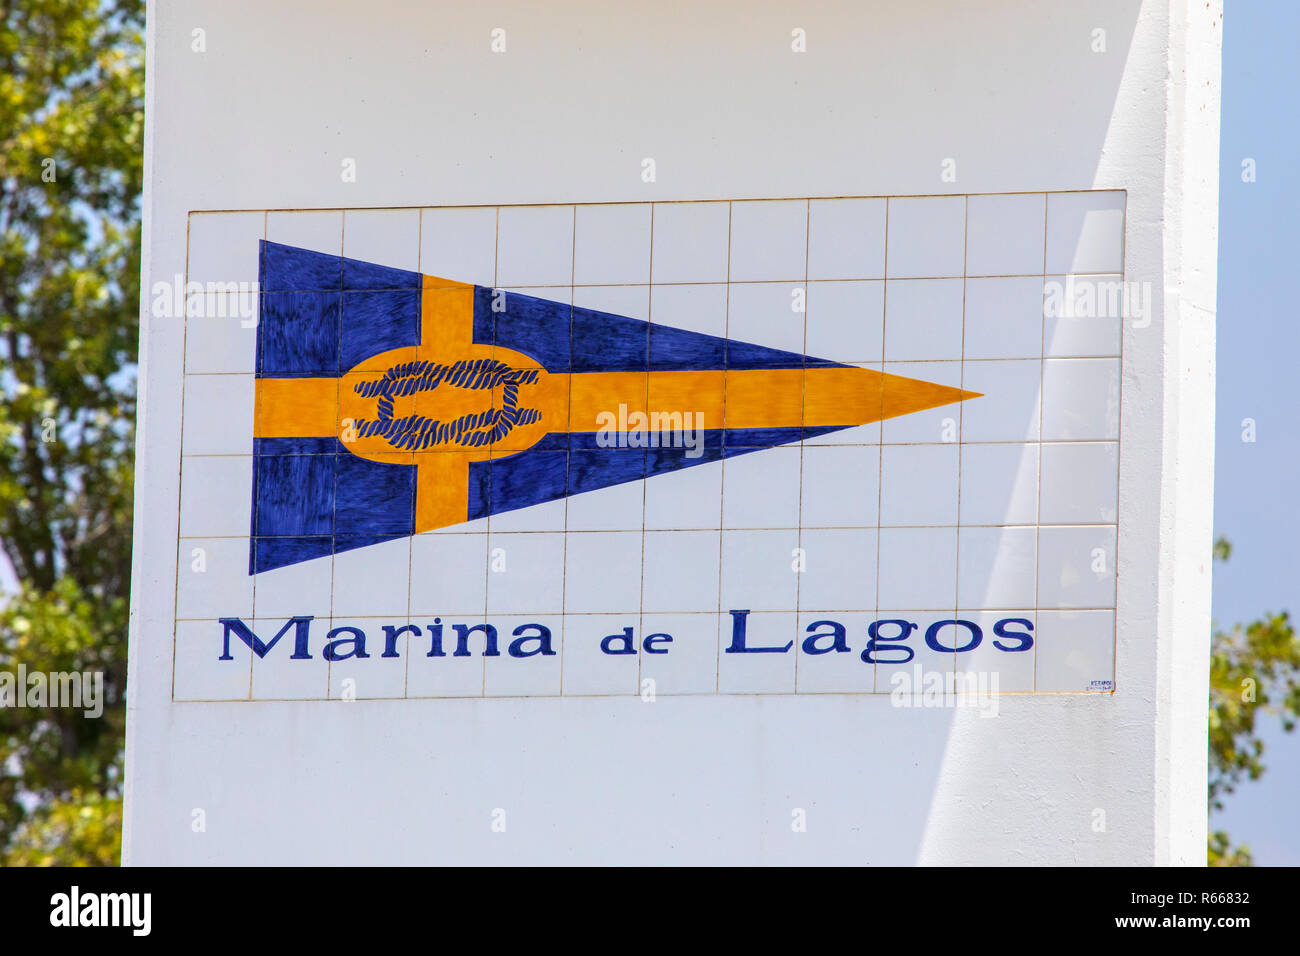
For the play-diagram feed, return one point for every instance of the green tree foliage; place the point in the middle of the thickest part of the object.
(1254, 668)
(71, 129)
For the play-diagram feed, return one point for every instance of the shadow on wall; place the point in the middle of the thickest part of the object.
(1051, 823)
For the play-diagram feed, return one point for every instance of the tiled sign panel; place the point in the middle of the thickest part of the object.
(735, 447)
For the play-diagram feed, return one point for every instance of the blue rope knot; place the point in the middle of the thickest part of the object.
(472, 430)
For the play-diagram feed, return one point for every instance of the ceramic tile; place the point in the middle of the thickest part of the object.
(1080, 399)
(548, 516)
(927, 237)
(386, 510)
(744, 667)
(215, 497)
(1075, 651)
(758, 570)
(276, 675)
(447, 660)
(996, 567)
(1005, 235)
(696, 308)
(551, 293)
(477, 526)
(840, 487)
(372, 579)
(317, 231)
(1085, 232)
(199, 673)
(369, 656)
(589, 670)
(212, 579)
(1003, 662)
(535, 246)
(221, 332)
(616, 508)
(1008, 407)
(858, 435)
(1076, 567)
(839, 569)
(612, 244)
(1004, 318)
(1083, 315)
(294, 496)
(297, 589)
(1080, 483)
(449, 574)
(918, 485)
(913, 654)
(918, 568)
(761, 489)
(602, 572)
(830, 653)
(690, 665)
(528, 664)
(999, 484)
(846, 239)
(846, 320)
(690, 498)
(459, 244)
(223, 247)
(923, 319)
(769, 240)
(939, 424)
(629, 300)
(681, 571)
(299, 332)
(389, 236)
(526, 573)
(691, 242)
(218, 415)
(765, 313)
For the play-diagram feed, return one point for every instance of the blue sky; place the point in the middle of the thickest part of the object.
(1256, 485)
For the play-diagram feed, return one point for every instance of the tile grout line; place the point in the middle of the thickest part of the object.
(864, 361)
(1038, 478)
(568, 457)
(410, 571)
(789, 279)
(665, 202)
(334, 536)
(487, 537)
(266, 233)
(1058, 525)
(722, 463)
(645, 470)
(1119, 421)
(180, 465)
(803, 421)
(376, 617)
(789, 527)
(961, 421)
(880, 447)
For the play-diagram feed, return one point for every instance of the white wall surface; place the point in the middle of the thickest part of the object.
(886, 92)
